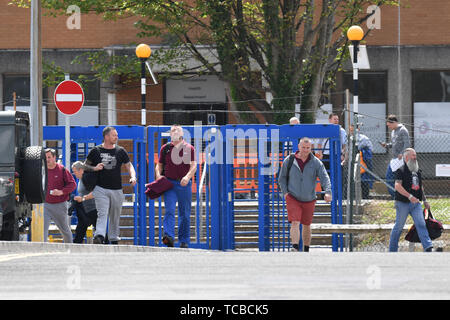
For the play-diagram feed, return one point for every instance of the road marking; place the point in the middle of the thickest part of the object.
(9, 257)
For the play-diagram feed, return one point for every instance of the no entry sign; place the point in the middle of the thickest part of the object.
(69, 97)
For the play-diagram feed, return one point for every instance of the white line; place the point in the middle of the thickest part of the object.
(62, 97)
(9, 257)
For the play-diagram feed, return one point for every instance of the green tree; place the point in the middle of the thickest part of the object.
(286, 47)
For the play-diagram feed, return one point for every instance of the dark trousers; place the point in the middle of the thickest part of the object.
(85, 219)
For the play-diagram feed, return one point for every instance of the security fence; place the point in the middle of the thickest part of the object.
(372, 202)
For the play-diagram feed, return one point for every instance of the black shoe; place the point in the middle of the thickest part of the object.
(168, 241)
(431, 249)
(98, 239)
(184, 245)
(114, 242)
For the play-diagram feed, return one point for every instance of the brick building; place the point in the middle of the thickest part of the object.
(409, 55)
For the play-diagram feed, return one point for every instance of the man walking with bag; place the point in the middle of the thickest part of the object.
(297, 181)
(408, 195)
(177, 163)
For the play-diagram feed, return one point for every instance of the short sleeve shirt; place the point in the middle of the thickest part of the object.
(411, 181)
(177, 160)
(113, 159)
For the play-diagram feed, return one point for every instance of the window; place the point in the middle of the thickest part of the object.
(20, 84)
(431, 103)
(372, 97)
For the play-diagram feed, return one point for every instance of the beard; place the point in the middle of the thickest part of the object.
(413, 165)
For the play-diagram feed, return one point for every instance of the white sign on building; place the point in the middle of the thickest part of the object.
(431, 126)
(195, 89)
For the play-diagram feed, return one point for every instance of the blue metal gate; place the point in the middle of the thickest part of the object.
(206, 186)
(263, 148)
(235, 164)
(134, 138)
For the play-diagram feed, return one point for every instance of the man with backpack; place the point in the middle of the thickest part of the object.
(297, 181)
(59, 186)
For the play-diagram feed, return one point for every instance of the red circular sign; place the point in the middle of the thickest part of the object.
(69, 97)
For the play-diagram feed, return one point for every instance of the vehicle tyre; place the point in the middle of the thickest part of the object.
(34, 174)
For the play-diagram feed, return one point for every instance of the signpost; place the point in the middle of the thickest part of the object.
(69, 99)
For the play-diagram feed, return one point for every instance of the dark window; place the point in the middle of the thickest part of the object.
(91, 88)
(372, 86)
(187, 114)
(431, 86)
(20, 84)
(7, 145)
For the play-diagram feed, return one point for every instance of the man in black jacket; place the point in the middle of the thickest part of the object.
(84, 203)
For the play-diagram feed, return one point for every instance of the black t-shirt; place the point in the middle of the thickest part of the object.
(112, 159)
(412, 182)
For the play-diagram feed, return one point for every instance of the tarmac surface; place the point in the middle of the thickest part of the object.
(72, 271)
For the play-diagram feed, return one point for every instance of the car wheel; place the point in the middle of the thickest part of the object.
(34, 174)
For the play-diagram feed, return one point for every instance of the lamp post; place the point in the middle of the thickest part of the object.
(143, 52)
(355, 34)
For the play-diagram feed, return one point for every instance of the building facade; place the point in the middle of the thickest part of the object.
(408, 50)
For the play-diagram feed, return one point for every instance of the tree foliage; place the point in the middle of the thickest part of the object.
(287, 47)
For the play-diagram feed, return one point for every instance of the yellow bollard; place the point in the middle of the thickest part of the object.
(37, 223)
(89, 234)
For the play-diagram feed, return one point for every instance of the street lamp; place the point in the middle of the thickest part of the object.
(143, 52)
(355, 34)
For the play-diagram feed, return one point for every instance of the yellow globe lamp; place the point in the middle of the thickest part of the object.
(143, 51)
(355, 33)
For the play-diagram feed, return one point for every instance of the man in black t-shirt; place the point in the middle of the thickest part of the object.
(107, 159)
(408, 195)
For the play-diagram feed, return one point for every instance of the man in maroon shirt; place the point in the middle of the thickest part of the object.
(59, 186)
(177, 163)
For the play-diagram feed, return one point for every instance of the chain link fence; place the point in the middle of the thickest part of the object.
(373, 203)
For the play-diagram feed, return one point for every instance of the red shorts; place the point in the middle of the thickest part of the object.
(300, 211)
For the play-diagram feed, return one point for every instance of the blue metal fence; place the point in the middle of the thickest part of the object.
(83, 139)
(229, 172)
(271, 144)
(206, 187)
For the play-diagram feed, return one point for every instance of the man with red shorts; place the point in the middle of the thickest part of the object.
(297, 181)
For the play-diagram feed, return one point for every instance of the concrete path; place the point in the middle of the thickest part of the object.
(59, 271)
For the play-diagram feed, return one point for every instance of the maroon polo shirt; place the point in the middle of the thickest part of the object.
(177, 160)
(302, 164)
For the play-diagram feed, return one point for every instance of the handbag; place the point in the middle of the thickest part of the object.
(434, 228)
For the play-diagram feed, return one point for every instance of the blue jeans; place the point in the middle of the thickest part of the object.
(390, 180)
(402, 211)
(182, 195)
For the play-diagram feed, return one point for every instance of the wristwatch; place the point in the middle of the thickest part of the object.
(410, 196)
(83, 198)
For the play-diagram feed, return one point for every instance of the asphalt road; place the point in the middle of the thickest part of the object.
(57, 271)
